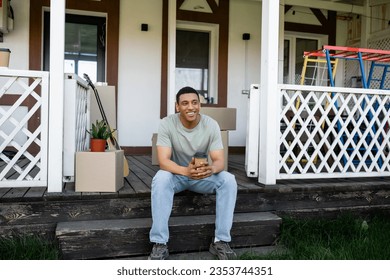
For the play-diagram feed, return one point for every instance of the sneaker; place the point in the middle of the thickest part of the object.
(222, 250)
(159, 252)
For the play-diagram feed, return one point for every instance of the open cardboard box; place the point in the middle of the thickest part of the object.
(225, 117)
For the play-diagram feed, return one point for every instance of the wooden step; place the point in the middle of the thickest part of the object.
(102, 239)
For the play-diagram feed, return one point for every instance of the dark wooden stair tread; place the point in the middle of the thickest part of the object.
(96, 239)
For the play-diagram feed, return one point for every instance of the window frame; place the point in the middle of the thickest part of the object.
(292, 38)
(213, 30)
(99, 21)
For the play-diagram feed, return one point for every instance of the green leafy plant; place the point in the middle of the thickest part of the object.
(100, 130)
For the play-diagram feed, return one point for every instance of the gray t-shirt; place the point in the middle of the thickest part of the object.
(205, 137)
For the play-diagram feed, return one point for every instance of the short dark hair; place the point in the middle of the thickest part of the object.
(185, 90)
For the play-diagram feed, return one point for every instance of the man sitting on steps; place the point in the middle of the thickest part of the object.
(180, 136)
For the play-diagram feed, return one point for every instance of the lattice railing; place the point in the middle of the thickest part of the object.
(333, 132)
(23, 128)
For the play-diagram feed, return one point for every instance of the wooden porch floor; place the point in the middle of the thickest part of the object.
(138, 183)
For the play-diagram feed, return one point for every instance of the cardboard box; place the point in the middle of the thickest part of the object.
(154, 149)
(99, 172)
(4, 57)
(225, 142)
(226, 117)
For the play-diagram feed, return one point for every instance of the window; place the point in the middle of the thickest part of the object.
(196, 59)
(294, 46)
(84, 45)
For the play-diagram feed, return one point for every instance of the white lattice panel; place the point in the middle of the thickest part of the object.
(76, 122)
(380, 44)
(351, 71)
(23, 163)
(343, 133)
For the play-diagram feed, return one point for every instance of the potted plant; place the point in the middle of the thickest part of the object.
(99, 132)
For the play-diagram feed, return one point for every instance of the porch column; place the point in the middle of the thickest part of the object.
(366, 25)
(56, 95)
(281, 42)
(269, 97)
(171, 57)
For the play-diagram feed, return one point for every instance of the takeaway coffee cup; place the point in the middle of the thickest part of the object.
(200, 158)
(4, 57)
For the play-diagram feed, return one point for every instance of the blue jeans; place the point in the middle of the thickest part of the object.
(165, 185)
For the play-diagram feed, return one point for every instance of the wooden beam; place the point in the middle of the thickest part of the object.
(307, 28)
(332, 26)
(172, 18)
(287, 8)
(179, 3)
(213, 5)
(164, 61)
(320, 16)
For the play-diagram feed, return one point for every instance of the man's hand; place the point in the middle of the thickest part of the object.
(200, 170)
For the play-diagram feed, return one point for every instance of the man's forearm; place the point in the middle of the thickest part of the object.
(171, 166)
(217, 166)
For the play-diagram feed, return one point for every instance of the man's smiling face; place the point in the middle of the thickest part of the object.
(188, 107)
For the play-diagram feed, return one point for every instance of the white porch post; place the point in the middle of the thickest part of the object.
(56, 94)
(269, 97)
(281, 42)
(171, 56)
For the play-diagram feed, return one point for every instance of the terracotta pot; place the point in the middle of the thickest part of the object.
(98, 145)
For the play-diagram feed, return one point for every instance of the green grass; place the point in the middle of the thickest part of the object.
(27, 248)
(344, 238)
